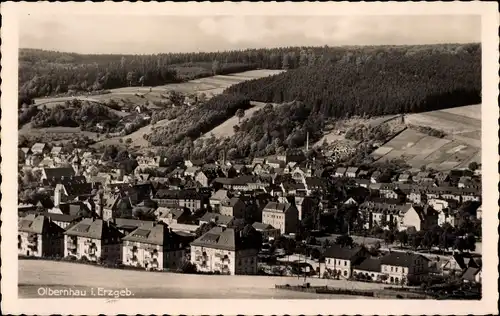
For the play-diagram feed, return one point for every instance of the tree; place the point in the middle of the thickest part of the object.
(473, 166)
(131, 77)
(402, 237)
(240, 113)
(216, 67)
(204, 228)
(344, 241)
(315, 254)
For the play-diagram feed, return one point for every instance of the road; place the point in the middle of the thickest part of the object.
(34, 274)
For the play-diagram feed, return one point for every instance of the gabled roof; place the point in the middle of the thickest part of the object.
(38, 224)
(277, 207)
(218, 219)
(131, 223)
(352, 169)
(231, 202)
(38, 147)
(95, 229)
(59, 172)
(260, 226)
(401, 259)
(163, 212)
(220, 195)
(470, 274)
(78, 189)
(344, 253)
(369, 264)
(178, 194)
(157, 234)
(221, 238)
(56, 150)
(340, 170)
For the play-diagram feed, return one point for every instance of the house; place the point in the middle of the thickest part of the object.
(276, 163)
(442, 178)
(380, 212)
(473, 275)
(315, 184)
(57, 173)
(464, 182)
(63, 220)
(40, 148)
(218, 219)
(459, 263)
(268, 232)
(218, 197)
(38, 236)
(341, 260)
(225, 251)
(421, 218)
(191, 199)
(70, 191)
(375, 178)
(404, 178)
(234, 207)
(479, 212)
(283, 216)
(153, 247)
(93, 239)
(340, 172)
(368, 269)
(305, 206)
(351, 172)
(177, 215)
(399, 266)
(422, 176)
(191, 171)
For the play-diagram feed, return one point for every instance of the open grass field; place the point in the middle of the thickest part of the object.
(226, 129)
(457, 149)
(139, 95)
(34, 274)
(137, 137)
(210, 85)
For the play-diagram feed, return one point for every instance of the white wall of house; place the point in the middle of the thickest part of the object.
(344, 266)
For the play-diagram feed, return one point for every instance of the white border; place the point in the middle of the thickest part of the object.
(10, 302)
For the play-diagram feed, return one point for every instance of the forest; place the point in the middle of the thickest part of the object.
(43, 73)
(393, 81)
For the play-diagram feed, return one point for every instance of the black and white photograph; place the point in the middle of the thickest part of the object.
(239, 153)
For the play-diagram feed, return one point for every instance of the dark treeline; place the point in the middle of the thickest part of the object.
(43, 73)
(194, 122)
(363, 82)
(391, 82)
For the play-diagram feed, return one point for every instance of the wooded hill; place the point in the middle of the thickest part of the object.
(365, 81)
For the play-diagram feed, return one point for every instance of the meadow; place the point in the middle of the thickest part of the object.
(460, 146)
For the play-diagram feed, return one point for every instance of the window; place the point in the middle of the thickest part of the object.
(392, 269)
(345, 262)
(396, 269)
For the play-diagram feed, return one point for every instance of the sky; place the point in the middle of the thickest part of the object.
(120, 34)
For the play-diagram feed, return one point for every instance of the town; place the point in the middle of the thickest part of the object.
(295, 214)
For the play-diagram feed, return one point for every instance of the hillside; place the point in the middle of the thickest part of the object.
(365, 82)
(460, 146)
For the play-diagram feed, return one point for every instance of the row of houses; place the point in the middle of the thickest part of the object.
(151, 245)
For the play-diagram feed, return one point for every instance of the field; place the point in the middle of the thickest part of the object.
(34, 274)
(226, 129)
(139, 95)
(457, 149)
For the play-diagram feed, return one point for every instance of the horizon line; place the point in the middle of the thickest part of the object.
(250, 48)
